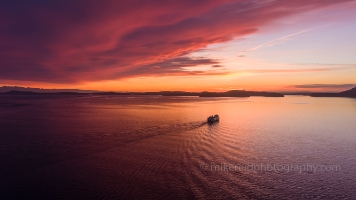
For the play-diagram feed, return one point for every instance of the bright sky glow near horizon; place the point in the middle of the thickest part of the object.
(281, 45)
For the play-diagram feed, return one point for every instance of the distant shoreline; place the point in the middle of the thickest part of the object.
(232, 93)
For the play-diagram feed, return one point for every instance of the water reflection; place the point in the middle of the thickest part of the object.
(158, 147)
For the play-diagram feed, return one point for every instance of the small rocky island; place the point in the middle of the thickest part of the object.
(240, 93)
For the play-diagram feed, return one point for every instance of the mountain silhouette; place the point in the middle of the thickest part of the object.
(231, 93)
(347, 93)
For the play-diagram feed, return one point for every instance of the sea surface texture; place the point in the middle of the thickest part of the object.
(153, 147)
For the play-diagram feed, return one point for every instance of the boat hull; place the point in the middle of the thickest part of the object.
(213, 119)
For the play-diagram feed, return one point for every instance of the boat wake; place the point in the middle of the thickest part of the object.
(67, 149)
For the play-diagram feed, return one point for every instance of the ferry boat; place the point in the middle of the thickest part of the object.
(213, 118)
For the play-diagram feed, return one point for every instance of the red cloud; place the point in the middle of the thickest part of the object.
(87, 40)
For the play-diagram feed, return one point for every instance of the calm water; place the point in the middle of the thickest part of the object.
(160, 147)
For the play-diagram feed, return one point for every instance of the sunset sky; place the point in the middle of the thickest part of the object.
(214, 45)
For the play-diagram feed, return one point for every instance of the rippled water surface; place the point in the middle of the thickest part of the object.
(144, 147)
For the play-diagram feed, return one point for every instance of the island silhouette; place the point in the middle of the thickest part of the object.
(347, 93)
(231, 93)
(15, 90)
